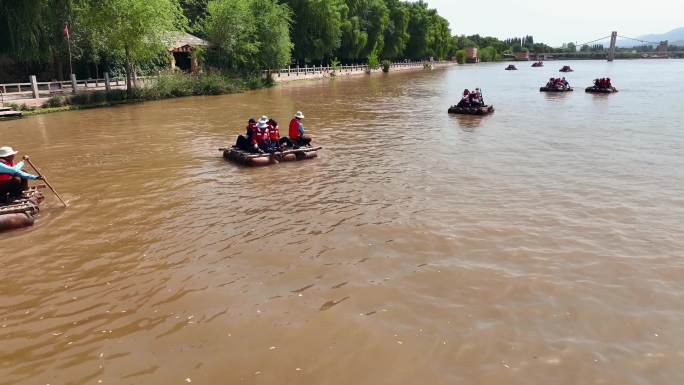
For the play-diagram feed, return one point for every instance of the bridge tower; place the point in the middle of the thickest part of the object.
(613, 40)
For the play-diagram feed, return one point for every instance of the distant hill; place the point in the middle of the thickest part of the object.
(674, 37)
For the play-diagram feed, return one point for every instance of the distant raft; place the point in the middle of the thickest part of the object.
(511, 67)
(600, 90)
(555, 89)
(566, 69)
(245, 158)
(537, 64)
(483, 110)
(20, 212)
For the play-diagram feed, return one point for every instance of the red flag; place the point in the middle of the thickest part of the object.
(66, 31)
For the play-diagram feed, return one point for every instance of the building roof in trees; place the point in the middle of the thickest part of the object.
(182, 41)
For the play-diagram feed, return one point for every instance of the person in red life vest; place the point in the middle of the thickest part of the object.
(13, 181)
(465, 100)
(297, 136)
(608, 84)
(475, 99)
(276, 141)
(262, 138)
(244, 142)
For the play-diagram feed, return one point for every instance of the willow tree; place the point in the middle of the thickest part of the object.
(362, 32)
(316, 28)
(249, 34)
(135, 29)
(32, 31)
(396, 33)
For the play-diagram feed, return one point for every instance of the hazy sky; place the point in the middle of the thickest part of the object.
(555, 21)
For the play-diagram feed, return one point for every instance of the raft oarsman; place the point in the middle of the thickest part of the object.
(296, 131)
(13, 181)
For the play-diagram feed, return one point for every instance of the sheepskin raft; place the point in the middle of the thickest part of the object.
(600, 90)
(236, 155)
(484, 110)
(555, 89)
(21, 212)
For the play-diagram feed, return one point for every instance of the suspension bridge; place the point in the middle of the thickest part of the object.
(661, 49)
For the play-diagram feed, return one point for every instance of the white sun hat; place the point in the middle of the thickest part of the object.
(299, 115)
(262, 124)
(7, 151)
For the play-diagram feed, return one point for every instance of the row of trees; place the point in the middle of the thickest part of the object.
(246, 35)
(317, 31)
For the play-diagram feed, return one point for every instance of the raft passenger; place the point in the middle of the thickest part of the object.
(244, 142)
(465, 100)
(276, 141)
(13, 181)
(262, 139)
(297, 136)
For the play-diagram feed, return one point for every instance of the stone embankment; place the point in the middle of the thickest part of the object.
(306, 73)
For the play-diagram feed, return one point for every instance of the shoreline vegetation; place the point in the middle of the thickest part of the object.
(166, 86)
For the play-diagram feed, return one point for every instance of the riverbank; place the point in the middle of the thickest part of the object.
(308, 73)
(165, 86)
(174, 85)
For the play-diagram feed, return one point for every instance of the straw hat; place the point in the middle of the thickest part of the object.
(299, 115)
(7, 151)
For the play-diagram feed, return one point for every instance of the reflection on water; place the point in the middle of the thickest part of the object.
(540, 244)
(469, 122)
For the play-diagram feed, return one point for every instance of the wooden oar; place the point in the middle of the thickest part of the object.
(26, 158)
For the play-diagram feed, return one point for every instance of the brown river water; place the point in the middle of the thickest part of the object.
(539, 245)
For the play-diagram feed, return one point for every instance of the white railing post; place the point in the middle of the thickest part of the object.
(73, 83)
(108, 86)
(34, 87)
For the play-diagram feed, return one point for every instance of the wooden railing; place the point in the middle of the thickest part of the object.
(35, 89)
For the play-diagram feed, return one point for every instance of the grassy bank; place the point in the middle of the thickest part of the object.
(165, 86)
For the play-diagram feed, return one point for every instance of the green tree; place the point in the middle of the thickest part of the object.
(416, 47)
(460, 56)
(396, 34)
(273, 34)
(32, 31)
(249, 34)
(316, 30)
(136, 29)
(195, 11)
(229, 26)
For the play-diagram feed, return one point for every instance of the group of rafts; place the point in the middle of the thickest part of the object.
(472, 102)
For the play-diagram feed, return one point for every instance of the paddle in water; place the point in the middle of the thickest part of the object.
(27, 159)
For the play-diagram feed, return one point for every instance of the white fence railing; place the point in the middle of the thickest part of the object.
(35, 89)
(306, 70)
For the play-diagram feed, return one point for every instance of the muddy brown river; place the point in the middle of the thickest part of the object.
(540, 245)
